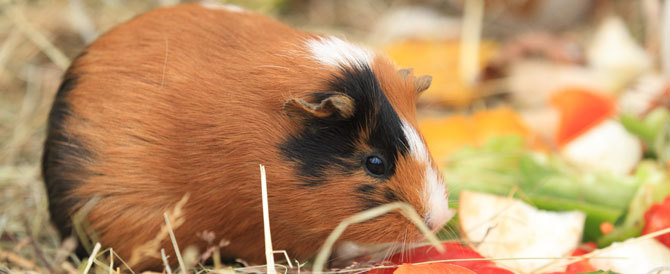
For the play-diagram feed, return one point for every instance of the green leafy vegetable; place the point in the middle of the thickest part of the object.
(655, 185)
(503, 166)
(653, 129)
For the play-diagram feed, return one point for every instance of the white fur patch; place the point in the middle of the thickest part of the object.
(219, 6)
(434, 192)
(437, 205)
(416, 146)
(333, 51)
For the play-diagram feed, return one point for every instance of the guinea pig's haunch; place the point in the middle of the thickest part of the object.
(191, 98)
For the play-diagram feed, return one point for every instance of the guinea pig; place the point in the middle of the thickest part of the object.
(191, 99)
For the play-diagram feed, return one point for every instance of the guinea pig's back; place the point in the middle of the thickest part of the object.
(159, 106)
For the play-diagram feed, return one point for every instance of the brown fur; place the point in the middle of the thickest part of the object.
(170, 116)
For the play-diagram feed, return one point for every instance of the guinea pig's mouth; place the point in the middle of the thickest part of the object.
(347, 252)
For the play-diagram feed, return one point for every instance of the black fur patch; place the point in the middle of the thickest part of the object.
(390, 195)
(370, 202)
(366, 189)
(63, 159)
(329, 144)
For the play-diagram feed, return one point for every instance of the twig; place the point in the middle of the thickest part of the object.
(124, 263)
(111, 260)
(91, 258)
(165, 262)
(152, 247)
(21, 244)
(81, 21)
(12, 257)
(597, 252)
(38, 250)
(174, 244)
(48, 48)
(269, 255)
(10, 44)
(102, 267)
(469, 260)
(80, 225)
(288, 260)
(300, 265)
(216, 257)
(67, 246)
(471, 32)
(67, 266)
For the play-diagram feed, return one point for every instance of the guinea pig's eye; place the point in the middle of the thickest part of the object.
(374, 165)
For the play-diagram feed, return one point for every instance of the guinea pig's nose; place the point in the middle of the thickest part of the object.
(435, 222)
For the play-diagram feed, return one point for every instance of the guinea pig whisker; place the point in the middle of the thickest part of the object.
(387, 252)
(392, 249)
(404, 245)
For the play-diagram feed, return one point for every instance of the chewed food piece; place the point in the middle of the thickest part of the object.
(501, 227)
(634, 256)
(607, 146)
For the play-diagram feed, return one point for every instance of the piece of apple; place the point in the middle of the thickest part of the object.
(634, 256)
(500, 227)
(606, 146)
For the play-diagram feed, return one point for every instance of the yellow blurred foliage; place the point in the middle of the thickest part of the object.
(441, 60)
(446, 134)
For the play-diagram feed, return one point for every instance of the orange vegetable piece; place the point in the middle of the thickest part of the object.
(580, 110)
(443, 268)
(444, 135)
(498, 122)
(606, 227)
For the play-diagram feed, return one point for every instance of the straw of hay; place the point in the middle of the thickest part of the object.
(152, 247)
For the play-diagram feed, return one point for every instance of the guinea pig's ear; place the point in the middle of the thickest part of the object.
(421, 83)
(340, 104)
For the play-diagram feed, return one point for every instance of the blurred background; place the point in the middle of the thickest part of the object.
(544, 71)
